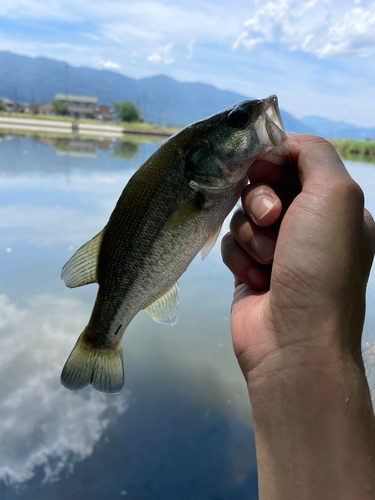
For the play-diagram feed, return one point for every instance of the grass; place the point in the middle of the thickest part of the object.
(136, 139)
(27, 116)
(351, 149)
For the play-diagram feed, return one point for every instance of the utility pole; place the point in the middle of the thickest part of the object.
(145, 105)
(67, 81)
(15, 98)
(67, 87)
(33, 108)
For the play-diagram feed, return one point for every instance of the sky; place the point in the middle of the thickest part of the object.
(317, 55)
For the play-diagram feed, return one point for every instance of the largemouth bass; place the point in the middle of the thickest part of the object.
(172, 208)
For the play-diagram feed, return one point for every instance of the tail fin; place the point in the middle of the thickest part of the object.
(87, 364)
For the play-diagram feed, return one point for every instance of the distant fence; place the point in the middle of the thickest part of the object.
(59, 126)
(67, 127)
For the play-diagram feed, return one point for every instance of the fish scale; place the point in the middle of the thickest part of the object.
(171, 208)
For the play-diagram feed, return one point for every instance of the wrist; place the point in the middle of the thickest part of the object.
(306, 383)
(323, 342)
(314, 426)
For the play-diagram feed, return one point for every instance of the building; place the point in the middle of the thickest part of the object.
(79, 106)
(10, 104)
(105, 113)
(45, 108)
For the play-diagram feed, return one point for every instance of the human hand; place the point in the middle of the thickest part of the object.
(297, 325)
(310, 295)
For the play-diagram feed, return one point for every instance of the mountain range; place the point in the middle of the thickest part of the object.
(334, 129)
(161, 99)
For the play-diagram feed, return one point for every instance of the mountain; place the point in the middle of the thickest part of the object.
(335, 129)
(161, 99)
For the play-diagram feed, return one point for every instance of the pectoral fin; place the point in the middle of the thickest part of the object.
(165, 309)
(211, 242)
(81, 269)
(188, 211)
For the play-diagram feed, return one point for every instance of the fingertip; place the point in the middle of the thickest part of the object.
(261, 204)
(264, 210)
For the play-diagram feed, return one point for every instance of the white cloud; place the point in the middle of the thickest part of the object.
(98, 61)
(319, 27)
(162, 55)
(191, 49)
(34, 9)
(158, 23)
(42, 424)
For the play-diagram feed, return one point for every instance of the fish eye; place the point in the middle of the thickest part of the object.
(238, 118)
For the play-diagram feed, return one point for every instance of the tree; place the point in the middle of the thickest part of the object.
(2, 106)
(125, 149)
(60, 108)
(127, 111)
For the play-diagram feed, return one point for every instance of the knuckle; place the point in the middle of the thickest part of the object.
(226, 241)
(369, 220)
(227, 238)
(352, 191)
(318, 149)
(237, 219)
(370, 225)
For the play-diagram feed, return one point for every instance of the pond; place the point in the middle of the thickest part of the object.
(181, 429)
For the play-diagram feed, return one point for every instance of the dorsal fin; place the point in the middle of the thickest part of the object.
(211, 242)
(165, 309)
(81, 268)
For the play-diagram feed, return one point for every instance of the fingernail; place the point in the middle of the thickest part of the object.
(264, 246)
(260, 206)
(258, 279)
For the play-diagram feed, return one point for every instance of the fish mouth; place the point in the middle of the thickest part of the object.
(271, 107)
(270, 130)
(273, 141)
(266, 121)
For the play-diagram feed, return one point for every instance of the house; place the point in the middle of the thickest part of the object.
(10, 104)
(79, 106)
(105, 113)
(45, 108)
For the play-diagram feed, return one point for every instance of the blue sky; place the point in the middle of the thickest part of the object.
(317, 55)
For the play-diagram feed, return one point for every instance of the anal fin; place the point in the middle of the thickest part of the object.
(165, 308)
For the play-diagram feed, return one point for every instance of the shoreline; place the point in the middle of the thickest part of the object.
(80, 127)
(355, 149)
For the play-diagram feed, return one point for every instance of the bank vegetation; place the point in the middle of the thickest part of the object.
(351, 149)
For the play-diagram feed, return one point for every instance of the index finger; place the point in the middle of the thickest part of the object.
(318, 162)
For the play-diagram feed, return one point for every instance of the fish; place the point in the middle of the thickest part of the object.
(171, 209)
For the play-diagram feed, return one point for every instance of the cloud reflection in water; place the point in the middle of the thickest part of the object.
(41, 423)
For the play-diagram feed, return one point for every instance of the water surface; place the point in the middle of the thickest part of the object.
(182, 428)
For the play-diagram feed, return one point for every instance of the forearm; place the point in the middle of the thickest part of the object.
(314, 431)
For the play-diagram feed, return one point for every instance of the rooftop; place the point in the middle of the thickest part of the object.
(76, 98)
